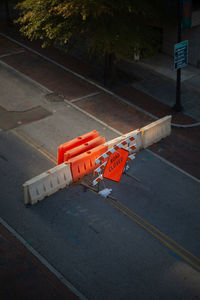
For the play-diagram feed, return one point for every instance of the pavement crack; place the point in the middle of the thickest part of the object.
(93, 229)
(3, 157)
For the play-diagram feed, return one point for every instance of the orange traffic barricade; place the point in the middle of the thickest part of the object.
(75, 143)
(84, 147)
(84, 163)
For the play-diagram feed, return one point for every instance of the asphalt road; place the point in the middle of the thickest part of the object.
(102, 252)
(106, 248)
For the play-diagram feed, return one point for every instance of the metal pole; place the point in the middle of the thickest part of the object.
(178, 107)
(8, 19)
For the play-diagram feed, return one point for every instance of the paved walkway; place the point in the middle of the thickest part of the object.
(159, 72)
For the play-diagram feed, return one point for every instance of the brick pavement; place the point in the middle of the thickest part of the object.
(23, 277)
(114, 113)
(182, 147)
(49, 75)
(7, 47)
(13, 119)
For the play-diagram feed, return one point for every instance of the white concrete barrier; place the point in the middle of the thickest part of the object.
(147, 135)
(47, 183)
(155, 131)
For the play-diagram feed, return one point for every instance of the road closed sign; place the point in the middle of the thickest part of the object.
(115, 165)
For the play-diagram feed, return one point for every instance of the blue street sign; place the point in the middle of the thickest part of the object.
(180, 55)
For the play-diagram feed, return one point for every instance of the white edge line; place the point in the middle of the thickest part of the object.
(88, 114)
(173, 165)
(11, 53)
(94, 84)
(80, 76)
(84, 97)
(172, 124)
(65, 100)
(43, 260)
(44, 89)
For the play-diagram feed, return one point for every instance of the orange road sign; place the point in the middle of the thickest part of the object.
(115, 165)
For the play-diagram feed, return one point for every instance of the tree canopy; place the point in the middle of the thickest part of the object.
(122, 27)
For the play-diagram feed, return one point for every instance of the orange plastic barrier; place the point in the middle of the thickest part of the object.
(75, 143)
(84, 147)
(84, 163)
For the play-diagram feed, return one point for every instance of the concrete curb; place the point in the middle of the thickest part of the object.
(43, 260)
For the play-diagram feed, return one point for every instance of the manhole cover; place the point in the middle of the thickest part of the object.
(54, 97)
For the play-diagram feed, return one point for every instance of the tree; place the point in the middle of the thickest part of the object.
(114, 29)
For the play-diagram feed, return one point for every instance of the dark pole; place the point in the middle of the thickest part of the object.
(7, 12)
(178, 107)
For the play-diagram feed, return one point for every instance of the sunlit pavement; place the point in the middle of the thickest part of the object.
(182, 144)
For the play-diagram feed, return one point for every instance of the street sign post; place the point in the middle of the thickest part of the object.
(180, 55)
(187, 14)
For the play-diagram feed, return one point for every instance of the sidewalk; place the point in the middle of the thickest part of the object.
(183, 146)
(159, 72)
(22, 275)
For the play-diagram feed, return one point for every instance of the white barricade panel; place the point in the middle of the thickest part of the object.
(156, 131)
(47, 183)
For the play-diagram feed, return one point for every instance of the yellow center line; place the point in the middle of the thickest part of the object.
(167, 241)
(27, 137)
(45, 153)
(159, 232)
(157, 237)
